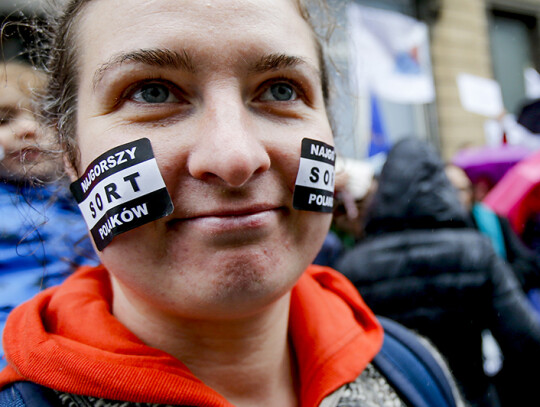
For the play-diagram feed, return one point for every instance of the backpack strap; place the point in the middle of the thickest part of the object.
(28, 394)
(412, 369)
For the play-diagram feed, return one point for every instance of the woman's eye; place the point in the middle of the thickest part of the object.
(281, 92)
(154, 93)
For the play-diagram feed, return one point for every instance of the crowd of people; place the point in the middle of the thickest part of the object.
(424, 263)
(171, 233)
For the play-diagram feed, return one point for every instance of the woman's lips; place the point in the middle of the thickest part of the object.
(233, 221)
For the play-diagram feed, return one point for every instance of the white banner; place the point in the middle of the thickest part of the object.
(480, 95)
(390, 55)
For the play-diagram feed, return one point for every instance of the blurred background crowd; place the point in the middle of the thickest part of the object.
(437, 202)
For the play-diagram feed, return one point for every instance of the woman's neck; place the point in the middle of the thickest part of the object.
(247, 360)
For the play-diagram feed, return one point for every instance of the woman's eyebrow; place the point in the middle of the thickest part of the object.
(273, 62)
(182, 60)
(153, 57)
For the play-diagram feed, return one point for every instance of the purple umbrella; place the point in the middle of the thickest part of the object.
(489, 163)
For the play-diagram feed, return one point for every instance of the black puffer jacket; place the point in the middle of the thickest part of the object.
(422, 264)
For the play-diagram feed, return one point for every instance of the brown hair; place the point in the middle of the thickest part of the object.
(59, 100)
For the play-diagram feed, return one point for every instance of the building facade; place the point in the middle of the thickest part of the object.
(495, 39)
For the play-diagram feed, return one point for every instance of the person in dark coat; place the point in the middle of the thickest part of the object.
(424, 265)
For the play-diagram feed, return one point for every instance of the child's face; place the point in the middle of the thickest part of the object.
(19, 133)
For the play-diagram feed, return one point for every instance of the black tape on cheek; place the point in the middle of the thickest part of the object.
(120, 190)
(314, 188)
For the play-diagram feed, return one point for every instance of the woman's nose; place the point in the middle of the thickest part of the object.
(229, 147)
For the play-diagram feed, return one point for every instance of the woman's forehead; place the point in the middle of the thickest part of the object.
(128, 22)
(215, 35)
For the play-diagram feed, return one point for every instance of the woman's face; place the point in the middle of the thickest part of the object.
(225, 90)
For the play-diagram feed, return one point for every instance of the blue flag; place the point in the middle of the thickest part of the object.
(379, 140)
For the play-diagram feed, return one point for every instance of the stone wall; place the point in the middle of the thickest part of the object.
(460, 44)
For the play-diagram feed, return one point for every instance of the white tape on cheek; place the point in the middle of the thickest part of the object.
(314, 188)
(120, 190)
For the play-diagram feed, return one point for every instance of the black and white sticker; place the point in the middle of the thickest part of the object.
(314, 189)
(121, 190)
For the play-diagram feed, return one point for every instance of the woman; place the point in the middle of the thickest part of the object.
(225, 92)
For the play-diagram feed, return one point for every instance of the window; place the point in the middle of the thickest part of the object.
(512, 49)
